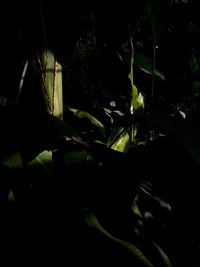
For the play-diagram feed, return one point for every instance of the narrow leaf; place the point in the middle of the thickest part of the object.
(163, 255)
(194, 65)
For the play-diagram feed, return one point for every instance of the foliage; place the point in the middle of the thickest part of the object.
(100, 138)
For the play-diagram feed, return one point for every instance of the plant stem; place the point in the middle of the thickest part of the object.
(153, 73)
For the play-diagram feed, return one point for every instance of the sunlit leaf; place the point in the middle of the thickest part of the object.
(122, 143)
(113, 104)
(182, 114)
(115, 133)
(133, 99)
(137, 104)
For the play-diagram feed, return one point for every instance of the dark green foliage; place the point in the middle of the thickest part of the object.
(115, 182)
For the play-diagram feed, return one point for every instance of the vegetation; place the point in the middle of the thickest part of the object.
(100, 149)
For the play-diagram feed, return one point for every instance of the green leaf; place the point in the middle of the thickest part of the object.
(42, 165)
(163, 255)
(22, 82)
(196, 85)
(145, 65)
(93, 222)
(137, 104)
(13, 161)
(194, 65)
(3, 100)
(94, 121)
(11, 196)
(115, 133)
(122, 144)
(75, 157)
(63, 128)
(130, 76)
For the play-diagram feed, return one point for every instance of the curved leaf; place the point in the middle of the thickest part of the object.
(83, 114)
(93, 222)
(42, 164)
(11, 196)
(122, 143)
(194, 65)
(115, 133)
(75, 157)
(163, 255)
(145, 65)
(137, 104)
(63, 128)
(13, 161)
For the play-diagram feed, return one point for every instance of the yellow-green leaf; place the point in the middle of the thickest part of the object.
(137, 104)
(122, 143)
(11, 196)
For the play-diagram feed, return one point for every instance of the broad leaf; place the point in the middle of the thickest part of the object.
(93, 222)
(75, 157)
(115, 133)
(122, 144)
(94, 121)
(42, 165)
(145, 65)
(13, 161)
(137, 104)
(62, 128)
